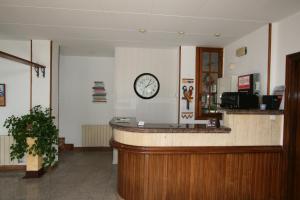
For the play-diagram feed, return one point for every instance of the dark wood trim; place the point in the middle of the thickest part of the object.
(179, 82)
(203, 150)
(67, 147)
(34, 174)
(12, 168)
(19, 60)
(286, 135)
(70, 147)
(252, 112)
(290, 114)
(22, 168)
(51, 51)
(210, 116)
(287, 108)
(85, 149)
(269, 57)
(31, 75)
(58, 84)
(198, 80)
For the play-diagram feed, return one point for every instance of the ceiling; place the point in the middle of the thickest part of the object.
(95, 27)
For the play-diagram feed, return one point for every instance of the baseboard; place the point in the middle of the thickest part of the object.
(22, 168)
(68, 147)
(12, 168)
(84, 149)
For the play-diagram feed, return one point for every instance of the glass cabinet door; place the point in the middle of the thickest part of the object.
(209, 69)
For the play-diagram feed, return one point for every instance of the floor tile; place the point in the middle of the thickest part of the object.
(79, 176)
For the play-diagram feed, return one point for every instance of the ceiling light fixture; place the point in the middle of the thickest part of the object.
(142, 30)
(217, 35)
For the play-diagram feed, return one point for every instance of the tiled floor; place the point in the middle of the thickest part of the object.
(79, 176)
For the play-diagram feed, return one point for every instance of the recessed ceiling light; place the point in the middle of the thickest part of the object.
(217, 35)
(181, 32)
(142, 30)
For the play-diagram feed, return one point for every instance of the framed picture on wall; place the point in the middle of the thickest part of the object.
(2, 95)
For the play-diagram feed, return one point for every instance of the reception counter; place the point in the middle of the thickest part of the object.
(240, 160)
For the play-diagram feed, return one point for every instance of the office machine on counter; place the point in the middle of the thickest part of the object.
(272, 102)
(239, 100)
(249, 83)
(247, 95)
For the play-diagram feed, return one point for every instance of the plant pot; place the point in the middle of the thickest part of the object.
(34, 164)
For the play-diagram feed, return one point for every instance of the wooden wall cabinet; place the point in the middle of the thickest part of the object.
(209, 67)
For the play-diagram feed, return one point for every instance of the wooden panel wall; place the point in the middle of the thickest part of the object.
(208, 176)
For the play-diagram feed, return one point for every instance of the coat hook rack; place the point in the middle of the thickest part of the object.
(37, 71)
(43, 69)
(36, 66)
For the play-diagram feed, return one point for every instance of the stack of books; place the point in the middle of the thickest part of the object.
(99, 92)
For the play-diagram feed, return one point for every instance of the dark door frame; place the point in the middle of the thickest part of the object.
(289, 145)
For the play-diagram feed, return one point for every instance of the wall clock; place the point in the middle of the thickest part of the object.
(146, 86)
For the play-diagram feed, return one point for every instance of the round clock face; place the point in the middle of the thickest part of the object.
(146, 86)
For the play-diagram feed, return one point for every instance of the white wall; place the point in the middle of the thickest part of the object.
(164, 64)
(41, 85)
(285, 41)
(188, 70)
(256, 60)
(77, 76)
(16, 76)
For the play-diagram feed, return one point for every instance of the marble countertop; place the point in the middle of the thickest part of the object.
(132, 126)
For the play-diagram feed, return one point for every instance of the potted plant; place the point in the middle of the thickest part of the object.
(36, 136)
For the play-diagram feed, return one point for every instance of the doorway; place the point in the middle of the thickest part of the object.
(292, 126)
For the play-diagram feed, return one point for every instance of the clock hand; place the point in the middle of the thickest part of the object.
(149, 84)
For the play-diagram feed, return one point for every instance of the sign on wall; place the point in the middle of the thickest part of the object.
(2, 95)
(99, 92)
(187, 90)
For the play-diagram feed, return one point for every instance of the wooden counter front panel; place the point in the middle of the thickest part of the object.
(226, 176)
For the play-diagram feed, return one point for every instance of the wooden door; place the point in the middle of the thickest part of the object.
(292, 126)
(209, 67)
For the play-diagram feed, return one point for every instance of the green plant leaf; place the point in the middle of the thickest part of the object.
(37, 124)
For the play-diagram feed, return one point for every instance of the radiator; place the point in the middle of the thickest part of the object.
(5, 142)
(96, 135)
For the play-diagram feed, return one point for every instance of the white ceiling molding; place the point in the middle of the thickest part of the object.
(90, 27)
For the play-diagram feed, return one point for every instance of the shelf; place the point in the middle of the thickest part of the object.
(20, 60)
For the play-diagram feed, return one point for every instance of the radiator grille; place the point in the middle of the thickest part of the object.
(96, 135)
(5, 142)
